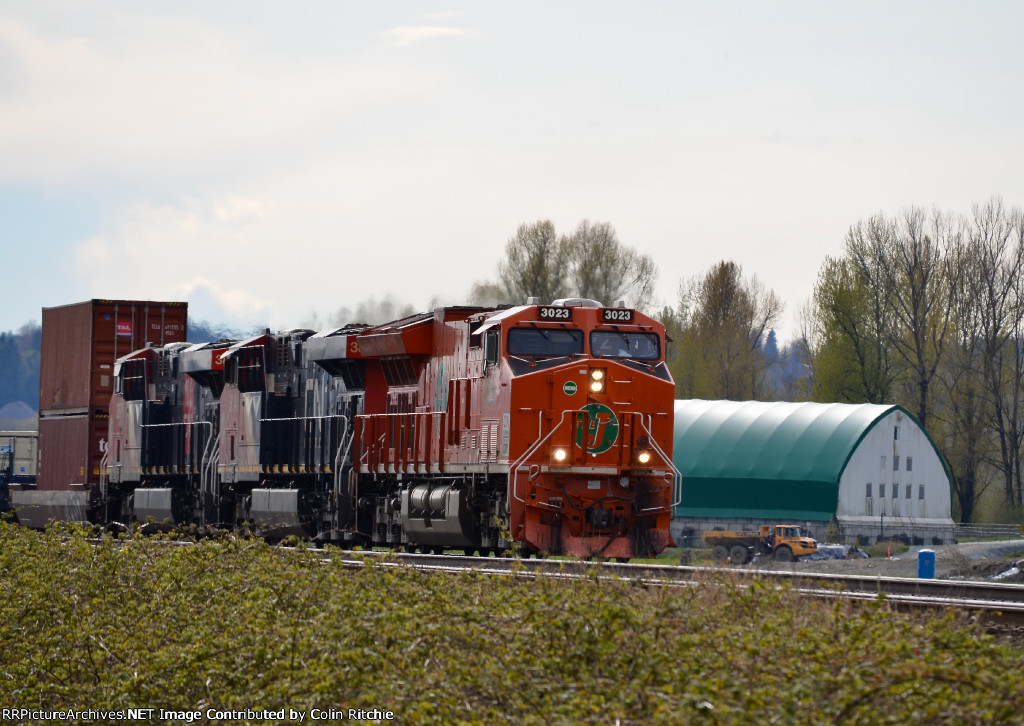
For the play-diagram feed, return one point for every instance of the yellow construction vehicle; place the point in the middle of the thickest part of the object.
(781, 541)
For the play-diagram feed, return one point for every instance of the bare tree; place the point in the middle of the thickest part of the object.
(962, 411)
(915, 259)
(371, 311)
(487, 293)
(535, 264)
(604, 269)
(995, 261)
(725, 319)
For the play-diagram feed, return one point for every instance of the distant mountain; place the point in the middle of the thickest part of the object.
(18, 416)
(200, 331)
(16, 411)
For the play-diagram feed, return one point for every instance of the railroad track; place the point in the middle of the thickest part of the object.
(1000, 605)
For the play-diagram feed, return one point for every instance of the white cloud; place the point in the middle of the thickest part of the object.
(444, 15)
(274, 162)
(188, 103)
(169, 252)
(211, 302)
(408, 34)
(234, 207)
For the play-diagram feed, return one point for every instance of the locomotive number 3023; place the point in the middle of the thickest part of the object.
(618, 316)
(555, 313)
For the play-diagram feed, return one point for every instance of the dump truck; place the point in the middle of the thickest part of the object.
(781, 541)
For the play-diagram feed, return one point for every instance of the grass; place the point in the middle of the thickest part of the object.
(234, 624)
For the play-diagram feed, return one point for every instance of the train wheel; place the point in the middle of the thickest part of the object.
(738, 555)
(719, 553)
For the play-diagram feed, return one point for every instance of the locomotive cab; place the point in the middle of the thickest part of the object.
(588, 437)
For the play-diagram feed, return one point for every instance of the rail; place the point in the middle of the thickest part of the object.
(1000, 604)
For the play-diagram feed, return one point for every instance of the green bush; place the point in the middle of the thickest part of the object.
(884, 549)
(234, 623)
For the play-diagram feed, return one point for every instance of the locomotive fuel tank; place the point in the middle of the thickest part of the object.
(438, 515)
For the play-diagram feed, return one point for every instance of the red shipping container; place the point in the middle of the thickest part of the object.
(71, 449)
(80, 343)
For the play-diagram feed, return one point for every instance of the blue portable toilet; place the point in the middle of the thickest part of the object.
(926, 564)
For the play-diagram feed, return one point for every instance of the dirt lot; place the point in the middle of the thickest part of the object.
(974, 560)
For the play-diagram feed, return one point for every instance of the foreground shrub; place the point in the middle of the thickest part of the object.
(236, 624)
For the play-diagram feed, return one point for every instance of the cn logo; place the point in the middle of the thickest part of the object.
(602, 430)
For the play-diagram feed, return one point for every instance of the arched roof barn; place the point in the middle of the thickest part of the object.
(861, 464)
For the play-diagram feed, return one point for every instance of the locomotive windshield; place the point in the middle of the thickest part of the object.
(619, 344)
(545, 342)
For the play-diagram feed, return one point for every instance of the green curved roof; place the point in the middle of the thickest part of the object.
(755, 459)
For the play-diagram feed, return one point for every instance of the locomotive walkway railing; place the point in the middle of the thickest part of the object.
(677, 476)
(104, 477)
(406, 443)
(172, 452)
(533, 470)
(578, 420)
(302, 444)
(209, 482)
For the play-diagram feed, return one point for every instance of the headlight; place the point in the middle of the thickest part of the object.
(643, 457)
(560, 455)
(596, 380)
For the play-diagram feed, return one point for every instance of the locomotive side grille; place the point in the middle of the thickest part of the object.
(284, 355)
(163, 366)
(399, 370)
(489, 441)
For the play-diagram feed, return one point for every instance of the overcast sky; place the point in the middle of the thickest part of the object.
(266, 161)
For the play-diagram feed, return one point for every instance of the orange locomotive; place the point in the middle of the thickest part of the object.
(548, 426)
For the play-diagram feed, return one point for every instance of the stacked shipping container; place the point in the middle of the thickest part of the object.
(80, 345)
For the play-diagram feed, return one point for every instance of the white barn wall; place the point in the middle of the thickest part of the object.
(870, 517)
